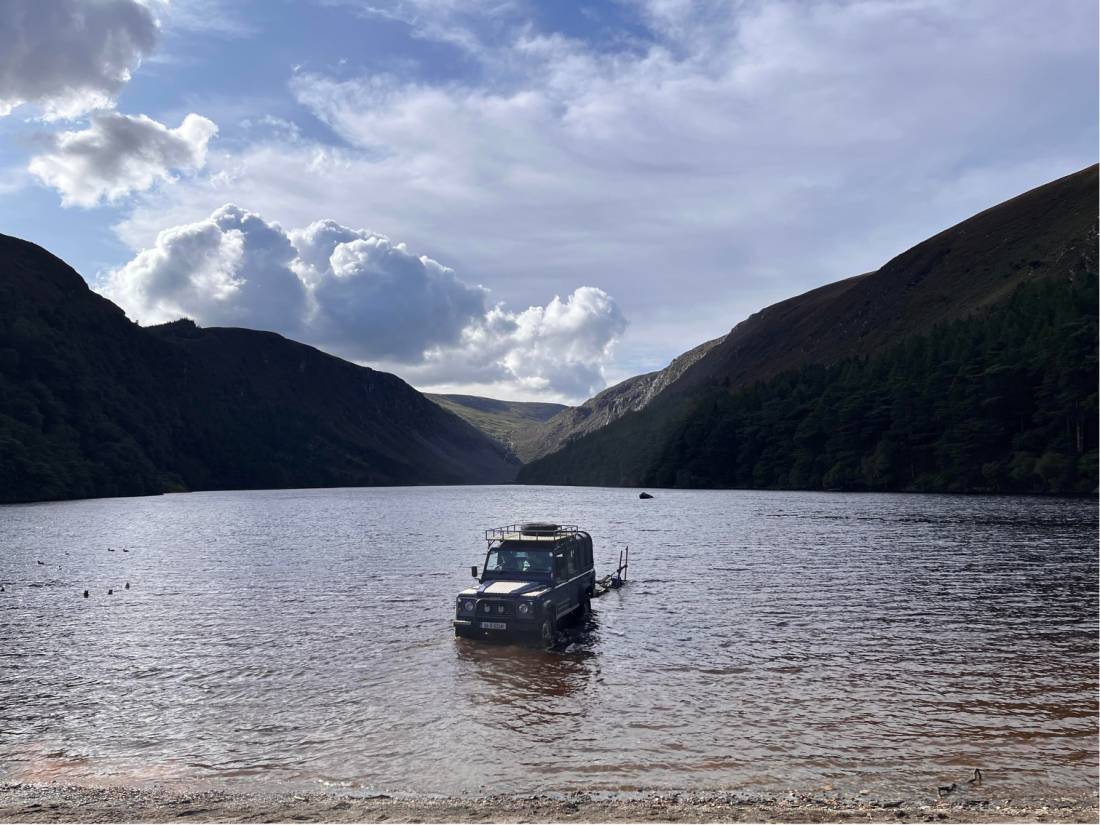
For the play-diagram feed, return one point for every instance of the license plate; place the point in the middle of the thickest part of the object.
(494, 625)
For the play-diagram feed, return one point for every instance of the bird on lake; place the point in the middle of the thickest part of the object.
(41, 562)
(976, 779)
(124, 550)
(1, 588)
(85, 594)
(127, 585)
(110, 549)
(110, 591)
(945, 790)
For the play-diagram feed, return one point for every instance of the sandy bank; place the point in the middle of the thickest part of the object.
(71, 803)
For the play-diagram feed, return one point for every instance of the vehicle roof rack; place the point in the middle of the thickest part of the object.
(531, 531)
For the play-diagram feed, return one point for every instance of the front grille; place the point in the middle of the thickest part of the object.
(494, 608)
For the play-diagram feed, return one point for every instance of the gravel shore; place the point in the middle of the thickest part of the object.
(74, 803)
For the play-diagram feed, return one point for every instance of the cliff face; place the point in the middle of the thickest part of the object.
(93, 405)
(610, 405)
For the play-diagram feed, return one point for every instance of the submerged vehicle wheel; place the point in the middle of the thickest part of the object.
(548, 627)
(584, 611)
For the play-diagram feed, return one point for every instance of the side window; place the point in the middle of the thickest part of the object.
(559, 567)
(571, 561)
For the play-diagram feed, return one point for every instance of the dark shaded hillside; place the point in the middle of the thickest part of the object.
(93, 405)
(885, 381)
(513, 424)
(1049, 232)
(1005, 402)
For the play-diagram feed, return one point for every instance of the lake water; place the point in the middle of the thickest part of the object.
(767, 641)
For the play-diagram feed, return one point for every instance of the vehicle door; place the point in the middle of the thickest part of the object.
(565, 571)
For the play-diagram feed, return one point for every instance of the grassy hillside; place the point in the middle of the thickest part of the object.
(93, 405)
(966, 364)
(513, 424)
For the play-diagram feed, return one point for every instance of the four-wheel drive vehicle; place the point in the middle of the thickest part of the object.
(536, 576)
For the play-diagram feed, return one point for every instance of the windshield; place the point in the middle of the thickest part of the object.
(517, 561)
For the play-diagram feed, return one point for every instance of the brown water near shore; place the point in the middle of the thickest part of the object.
(295, 641)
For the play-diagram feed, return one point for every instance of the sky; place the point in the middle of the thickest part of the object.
(525, 200)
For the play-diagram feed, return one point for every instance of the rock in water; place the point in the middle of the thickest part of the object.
(645, 495)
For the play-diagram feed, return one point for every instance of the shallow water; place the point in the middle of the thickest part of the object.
(767, 641)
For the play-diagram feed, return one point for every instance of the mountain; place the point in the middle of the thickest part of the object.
(966, 363)
(91, 404)
(609, 405)
(513, 424)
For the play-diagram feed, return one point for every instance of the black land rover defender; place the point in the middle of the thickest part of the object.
(536, 577)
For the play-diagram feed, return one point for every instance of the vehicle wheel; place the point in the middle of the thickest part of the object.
(548, 628)
(585, 610)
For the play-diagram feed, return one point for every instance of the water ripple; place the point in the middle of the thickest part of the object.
(769, 641)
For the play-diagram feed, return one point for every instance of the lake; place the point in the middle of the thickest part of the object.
(766, 641)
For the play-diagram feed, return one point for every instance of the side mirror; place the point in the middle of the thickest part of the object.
(473, 570)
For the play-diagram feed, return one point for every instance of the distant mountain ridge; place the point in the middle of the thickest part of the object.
(1039, 247)
(967, 363)
(91, 404)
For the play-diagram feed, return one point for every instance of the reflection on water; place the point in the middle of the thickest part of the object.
(767, 641)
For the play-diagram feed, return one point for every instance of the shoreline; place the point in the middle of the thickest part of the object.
(22, 802)
(901, 492)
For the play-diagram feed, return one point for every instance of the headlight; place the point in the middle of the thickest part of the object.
(524, 609)
(468, 606)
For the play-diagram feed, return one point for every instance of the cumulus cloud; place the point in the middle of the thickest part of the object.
(360, 295)
(70, 56)
(119, 154)
(560, 349)
(380, 301)
(728, 156)
(232, 269)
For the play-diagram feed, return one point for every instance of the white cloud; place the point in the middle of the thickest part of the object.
(70, 56)
(460, 23)
(231, 269)
(560, 349)
(744, 153)
(224, 18)
(119, 154)
(360, 295)
(382, 302)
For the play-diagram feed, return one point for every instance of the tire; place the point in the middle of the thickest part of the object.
(549, 628)
(585, 610)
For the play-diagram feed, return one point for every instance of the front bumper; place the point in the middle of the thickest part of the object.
(513, 629)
